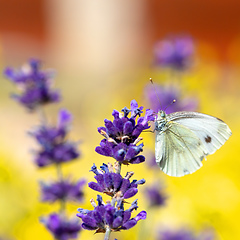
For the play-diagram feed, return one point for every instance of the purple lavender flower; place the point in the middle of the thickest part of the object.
(54, 146)
(122, 135)
(60, 227)
(176, 53)
(34, 83)
(113, 184)
(155, 195)
(184, 234)
(62, 190)
(176, 235)
(165, 94)
(108, 216)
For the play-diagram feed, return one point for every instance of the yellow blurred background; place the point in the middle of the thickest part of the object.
(102, 52)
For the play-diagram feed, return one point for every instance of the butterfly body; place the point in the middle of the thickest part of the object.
(183, 139)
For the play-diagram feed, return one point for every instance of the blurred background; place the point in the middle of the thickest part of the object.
(103, 56)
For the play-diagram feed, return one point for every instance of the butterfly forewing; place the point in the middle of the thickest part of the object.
(212, 131)
(179, 151)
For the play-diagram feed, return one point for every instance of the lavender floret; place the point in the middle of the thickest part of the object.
(107, 216)
(60, 227)
(34, 83)
(184, 234)
(55, 148)
(176, 53)
(113, 184)
(65, 190)
(155, 195)
(166, 94)
(122, 135)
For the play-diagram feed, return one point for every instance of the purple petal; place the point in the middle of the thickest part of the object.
(108, 180)
(125, 185)
(101, 210)
(117, 222)
(130, 193)
(95, 186)
(101, 129)
(127, 128)
(87, 227)
(117, 181)
(43, 159)
(148, 117)
(89, 221)
(134, 105)
(80, 215)
(54, 221)
(64, 118)
(9, 73)
(155, 195)
(119, 155)
(126, 216)
(109, 214)
(129, 224)
(111, 129)
(100, 180)
(115, 114)
(138, 159)
(141, 216)
(133, 151)
(118, 123)
(105, 151)
(98, 217)
(137, 130)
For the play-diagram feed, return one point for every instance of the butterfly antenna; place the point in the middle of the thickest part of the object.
(150, 79)
(173, 101)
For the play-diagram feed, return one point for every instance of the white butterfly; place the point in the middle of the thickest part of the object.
(183, 139)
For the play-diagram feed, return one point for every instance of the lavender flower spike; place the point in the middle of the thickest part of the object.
(113, 184)
(54, 146)
(34, 83)
(122, 135)
(155, 195)
(184, 234)
(106, 216)
(61, 228)
(176, 53)
(166, 94)
(62, 190)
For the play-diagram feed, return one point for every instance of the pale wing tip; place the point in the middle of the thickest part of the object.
(182, 172)
(179, 174)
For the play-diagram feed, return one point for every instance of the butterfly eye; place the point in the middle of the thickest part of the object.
(163, 115)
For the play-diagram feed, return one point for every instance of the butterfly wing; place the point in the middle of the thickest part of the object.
(212, 131)
(178, 150)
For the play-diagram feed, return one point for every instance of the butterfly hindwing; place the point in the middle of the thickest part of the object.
(178, 150)
(212, 131)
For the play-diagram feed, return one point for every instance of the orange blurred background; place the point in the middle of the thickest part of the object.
(214, 22)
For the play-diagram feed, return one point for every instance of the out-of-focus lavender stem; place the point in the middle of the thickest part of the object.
(60, 178)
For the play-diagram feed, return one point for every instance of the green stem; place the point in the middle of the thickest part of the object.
(42, 115)
(59, 172)
(60, 177)
(107, 233)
